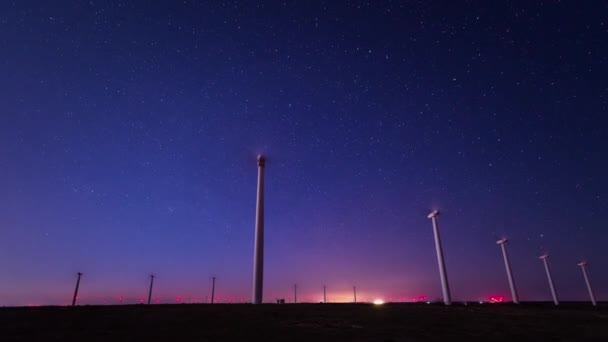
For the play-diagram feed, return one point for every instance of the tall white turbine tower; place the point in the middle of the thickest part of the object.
(544, 258)
(583, 265)
(258, 249)
(503, 246)
(442, 272)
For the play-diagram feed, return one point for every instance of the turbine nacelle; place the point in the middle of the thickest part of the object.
(261, 160)
(433, 214)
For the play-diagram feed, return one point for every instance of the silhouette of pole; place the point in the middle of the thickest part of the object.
(324, 295)
(76, 289)
(549, 278)
(258, 253)
(503, 243)
(583, 265)
(447, 300)
(212, 290)
(295, 293)
(150, 290)
(355, 293)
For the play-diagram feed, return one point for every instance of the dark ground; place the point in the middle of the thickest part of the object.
(306, 322)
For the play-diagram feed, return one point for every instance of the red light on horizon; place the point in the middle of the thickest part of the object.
(496, 299)
(420, 298)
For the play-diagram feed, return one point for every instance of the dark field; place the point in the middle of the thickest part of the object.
(306, 322)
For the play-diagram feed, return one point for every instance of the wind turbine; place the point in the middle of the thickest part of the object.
(447, 300)
(258, 253)
(544, 258)
(503, 247)
(150, 290)
(295, 293)
(355, 294)
(583, 265)
(324, 295)
(76, 290)
(212, 290)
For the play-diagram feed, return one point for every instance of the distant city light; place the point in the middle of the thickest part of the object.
(378, 301)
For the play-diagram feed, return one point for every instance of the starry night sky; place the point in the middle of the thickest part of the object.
(129, 131)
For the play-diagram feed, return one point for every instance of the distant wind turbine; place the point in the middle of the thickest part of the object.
(544, 258)
(212, 290)
(76, 289)
(258, 253)
(447, 300)
(503, 247)
(583, 265)
(150, 290)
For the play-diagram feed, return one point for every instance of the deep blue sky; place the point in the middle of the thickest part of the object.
(129, 130)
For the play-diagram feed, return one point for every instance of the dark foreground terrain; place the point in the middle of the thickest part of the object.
(306, 322)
